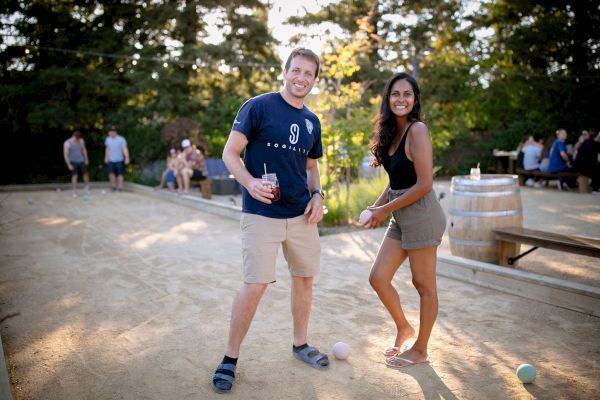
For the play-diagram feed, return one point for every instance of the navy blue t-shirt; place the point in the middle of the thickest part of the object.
(282, 136)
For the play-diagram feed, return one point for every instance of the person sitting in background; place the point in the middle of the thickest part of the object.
(524, 142)
(559, 159)
(532, 157)
(168, 175)
(546, 153)
(587, 160)
(519, 150)
(195, 169)
(585, 135)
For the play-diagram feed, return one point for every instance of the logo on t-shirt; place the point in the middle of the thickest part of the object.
(294, 133)
(309, 126)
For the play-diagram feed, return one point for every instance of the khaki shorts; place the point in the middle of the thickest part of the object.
(418, 225)
(261, 238)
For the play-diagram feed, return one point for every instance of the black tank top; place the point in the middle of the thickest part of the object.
(399, 168)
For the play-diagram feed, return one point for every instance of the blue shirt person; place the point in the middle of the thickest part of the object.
(116, 156)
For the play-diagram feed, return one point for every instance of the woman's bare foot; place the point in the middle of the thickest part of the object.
(410, 357)
(400, 344)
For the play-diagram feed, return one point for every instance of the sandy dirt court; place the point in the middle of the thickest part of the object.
(124, 296)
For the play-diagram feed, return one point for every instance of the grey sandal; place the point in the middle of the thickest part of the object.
(223, 378)
(312, 357)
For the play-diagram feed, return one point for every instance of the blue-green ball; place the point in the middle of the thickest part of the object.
(526, 373)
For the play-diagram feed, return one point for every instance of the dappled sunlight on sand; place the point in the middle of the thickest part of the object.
(59, 221)
(589, 217)
(355, 246)
(70, 301)
(179, 233)
(549, 209)
(57, 347)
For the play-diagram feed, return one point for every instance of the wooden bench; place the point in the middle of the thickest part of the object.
(510, 237)
(582, 180)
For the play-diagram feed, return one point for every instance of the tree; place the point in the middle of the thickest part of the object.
(139, 65)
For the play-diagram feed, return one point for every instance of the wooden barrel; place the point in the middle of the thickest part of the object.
(477, 207)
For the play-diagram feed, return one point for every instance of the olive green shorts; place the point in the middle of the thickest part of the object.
(418, 225)
(261, 239)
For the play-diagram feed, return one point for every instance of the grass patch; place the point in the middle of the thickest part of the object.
(345, 202)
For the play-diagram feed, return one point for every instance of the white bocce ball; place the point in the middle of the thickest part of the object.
(364, 217)
(341, 350)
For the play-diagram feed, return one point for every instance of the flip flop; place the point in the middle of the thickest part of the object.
(312, 357)
(391, 362)
(392, 351)
(395, 350)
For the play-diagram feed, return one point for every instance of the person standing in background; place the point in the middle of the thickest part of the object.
(116, 156)
(76, 158)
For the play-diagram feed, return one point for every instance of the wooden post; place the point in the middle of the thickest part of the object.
(205, 188)
(583, 182)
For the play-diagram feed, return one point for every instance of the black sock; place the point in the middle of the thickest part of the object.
(299, 348)
(229, 360)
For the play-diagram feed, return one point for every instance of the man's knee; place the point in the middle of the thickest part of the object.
(255, 289)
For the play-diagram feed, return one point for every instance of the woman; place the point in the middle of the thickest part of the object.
(402, 146)
(169, 174)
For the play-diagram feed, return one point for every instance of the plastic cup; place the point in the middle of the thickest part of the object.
(475, 173)
(271, 181)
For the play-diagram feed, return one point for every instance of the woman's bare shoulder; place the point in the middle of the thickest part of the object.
(418, 129)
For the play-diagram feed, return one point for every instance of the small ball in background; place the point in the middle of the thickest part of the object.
(29, 200)
(341, 350)
(526, 373)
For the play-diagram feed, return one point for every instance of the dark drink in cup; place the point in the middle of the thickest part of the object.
(271, 180)
(276, 193)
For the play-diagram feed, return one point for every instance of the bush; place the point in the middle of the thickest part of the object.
(345, 205)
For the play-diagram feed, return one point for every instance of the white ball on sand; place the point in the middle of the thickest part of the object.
(103, 191)
(364, 217)
(341, 350)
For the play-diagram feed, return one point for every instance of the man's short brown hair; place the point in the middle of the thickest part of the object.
(306, 53)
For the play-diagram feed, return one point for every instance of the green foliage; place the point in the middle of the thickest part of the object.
(138, 65)
(217, 121)
(488, 77)
(346, 202)
(144, 144)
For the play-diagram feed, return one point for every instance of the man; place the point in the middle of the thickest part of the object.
(559, 159)
(116, 156)
(196, 169)
(76, 157)
(587, 160)
(280, 135)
